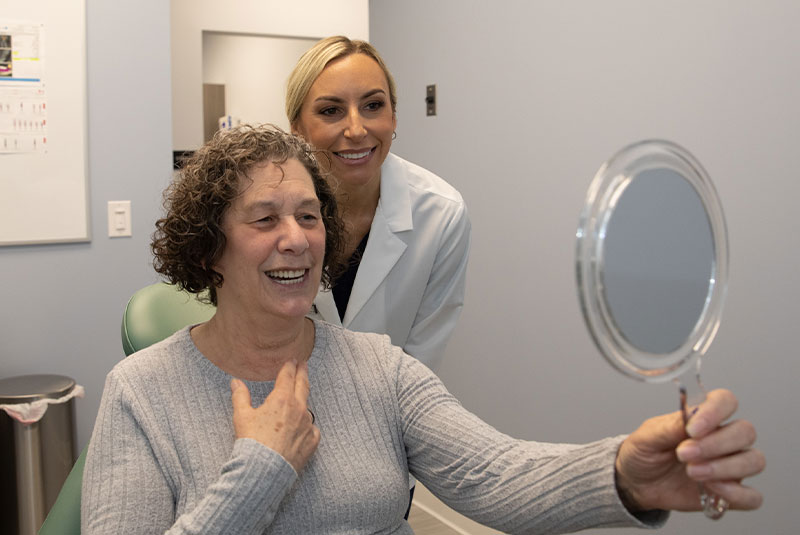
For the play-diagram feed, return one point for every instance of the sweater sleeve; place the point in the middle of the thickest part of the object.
(126, 491)
(511, 485)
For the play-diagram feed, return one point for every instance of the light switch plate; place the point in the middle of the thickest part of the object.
(119, 219)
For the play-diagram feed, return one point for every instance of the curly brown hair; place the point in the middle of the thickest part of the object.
(189, 239)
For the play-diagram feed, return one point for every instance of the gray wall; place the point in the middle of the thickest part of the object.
(62, 304)
(533, 97)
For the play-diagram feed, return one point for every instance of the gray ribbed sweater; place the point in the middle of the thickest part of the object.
(163, 456)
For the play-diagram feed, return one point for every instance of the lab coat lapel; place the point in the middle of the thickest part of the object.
(384, 246)
(325, 307)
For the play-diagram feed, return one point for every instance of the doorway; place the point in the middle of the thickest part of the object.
(246, 76)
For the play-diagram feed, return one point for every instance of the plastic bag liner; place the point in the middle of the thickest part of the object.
(28, 413)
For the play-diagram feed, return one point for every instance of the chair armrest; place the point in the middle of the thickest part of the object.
(65, 515)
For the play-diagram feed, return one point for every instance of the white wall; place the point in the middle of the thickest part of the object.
(533, 97)
(299, 18)
(254, 70)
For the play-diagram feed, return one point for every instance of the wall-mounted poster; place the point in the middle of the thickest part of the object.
(23, 105)
(43, 156)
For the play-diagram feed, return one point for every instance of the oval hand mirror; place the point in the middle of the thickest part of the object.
(652, 267)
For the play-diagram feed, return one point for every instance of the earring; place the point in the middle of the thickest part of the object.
(394, 134)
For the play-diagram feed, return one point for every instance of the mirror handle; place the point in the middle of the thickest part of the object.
(691, 396)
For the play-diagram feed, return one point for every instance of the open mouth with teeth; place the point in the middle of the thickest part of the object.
(287, 276)
(355, 155)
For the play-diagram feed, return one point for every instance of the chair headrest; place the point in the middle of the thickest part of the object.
(156, 312)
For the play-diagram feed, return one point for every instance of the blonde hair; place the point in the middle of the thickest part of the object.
(311, 64)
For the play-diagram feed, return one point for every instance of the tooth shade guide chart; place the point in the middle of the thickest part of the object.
(44, 182)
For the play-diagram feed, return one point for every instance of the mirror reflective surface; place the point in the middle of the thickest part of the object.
(658, 261)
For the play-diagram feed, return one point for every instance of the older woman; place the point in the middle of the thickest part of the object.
(262, 420)
(407, 230)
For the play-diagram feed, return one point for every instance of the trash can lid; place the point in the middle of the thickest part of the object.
(29, 388)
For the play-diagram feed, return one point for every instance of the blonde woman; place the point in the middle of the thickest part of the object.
(407, 230)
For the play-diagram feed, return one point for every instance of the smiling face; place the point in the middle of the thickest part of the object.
(275, 243)
(348, 114)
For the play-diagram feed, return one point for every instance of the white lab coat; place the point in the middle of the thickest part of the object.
(410, 283)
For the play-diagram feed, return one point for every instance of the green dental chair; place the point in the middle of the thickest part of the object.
(152, 314)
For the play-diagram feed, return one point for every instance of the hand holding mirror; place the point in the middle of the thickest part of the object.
(652, 266)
